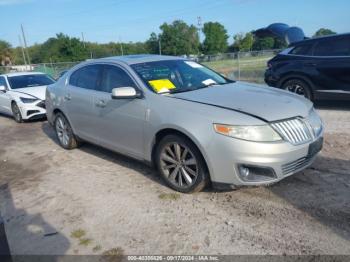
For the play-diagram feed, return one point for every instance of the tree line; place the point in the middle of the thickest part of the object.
(176, 38)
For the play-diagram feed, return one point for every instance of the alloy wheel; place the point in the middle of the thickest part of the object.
(179, 165)
(297, 89)
(63, 132)
(16, 113)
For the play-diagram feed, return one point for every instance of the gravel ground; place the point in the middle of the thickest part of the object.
(93, 201)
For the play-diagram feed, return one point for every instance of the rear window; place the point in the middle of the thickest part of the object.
(305, 49)
(24, 81)
(335, 46)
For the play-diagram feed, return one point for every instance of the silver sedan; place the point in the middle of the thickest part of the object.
(196, 126)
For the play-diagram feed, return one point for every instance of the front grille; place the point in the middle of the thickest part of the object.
(41, 104)
(296, 165)
(294, 130)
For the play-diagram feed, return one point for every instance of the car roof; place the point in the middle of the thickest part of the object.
(315, 39)
(22, 74)
(137, 59)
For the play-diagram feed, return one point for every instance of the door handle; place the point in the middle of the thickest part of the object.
(67, 97)
(101, 104)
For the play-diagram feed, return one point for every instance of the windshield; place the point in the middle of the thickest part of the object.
(24, 81)
(174, 76)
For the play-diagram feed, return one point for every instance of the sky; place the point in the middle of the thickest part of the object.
(104, 21)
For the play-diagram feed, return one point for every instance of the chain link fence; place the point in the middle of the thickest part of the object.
(242, 66)
(52, 69)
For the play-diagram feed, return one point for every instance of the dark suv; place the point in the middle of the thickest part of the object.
(317, 68)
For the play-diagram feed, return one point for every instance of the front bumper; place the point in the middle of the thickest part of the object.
(226, 155)
(34, 110)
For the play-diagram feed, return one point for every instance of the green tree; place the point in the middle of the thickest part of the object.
(324, 31)
(215, 38)
(179, 38)
(265, 43)
(152, 44)
(6, 54)
(243, 42)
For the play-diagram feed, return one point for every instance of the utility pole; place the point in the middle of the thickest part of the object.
(25, 45)
(23, 54)
(83, 39)
(121, 46)
(160, 44)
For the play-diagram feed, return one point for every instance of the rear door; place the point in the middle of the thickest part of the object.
(332, 62)
(119, 123)
(5, 99)
(79, 98)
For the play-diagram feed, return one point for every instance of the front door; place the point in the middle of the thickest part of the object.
(119, 123)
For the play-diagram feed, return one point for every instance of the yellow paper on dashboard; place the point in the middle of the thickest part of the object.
(161, 85)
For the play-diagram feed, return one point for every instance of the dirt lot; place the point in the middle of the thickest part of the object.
(91, 201)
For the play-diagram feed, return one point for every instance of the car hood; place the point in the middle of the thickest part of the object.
(36, 91)
(262, 102)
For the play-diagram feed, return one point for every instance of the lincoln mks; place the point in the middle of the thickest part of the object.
(196, 126)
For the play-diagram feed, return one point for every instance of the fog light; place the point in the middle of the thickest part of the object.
(250, 173)
(244, 171)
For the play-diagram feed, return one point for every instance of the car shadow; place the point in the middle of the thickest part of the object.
(141, 167)
(29, 235)
(43, 119)
(321, 191)
(332, 105)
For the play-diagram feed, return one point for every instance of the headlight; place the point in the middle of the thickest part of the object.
(28, 100)
(315, 122)
(251, 133)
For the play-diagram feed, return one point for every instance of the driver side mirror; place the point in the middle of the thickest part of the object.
(125, 93)
(2, 89)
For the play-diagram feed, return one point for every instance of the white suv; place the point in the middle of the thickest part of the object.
(22, 95)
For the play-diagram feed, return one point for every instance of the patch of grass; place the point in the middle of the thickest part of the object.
(169, 196)
(85, 241)
(118, 251)
(96, 248)
(79, 233)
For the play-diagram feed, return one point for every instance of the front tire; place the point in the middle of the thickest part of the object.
(17, 115)
(181, 165)
(298, 87)
(64, 132)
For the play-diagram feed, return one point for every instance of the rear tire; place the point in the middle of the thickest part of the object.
(17, 115)
(181, 165)
(64, 133)
(298, 87)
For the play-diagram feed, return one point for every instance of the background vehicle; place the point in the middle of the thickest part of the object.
(195, 125)
(22, 95)
(316, 68)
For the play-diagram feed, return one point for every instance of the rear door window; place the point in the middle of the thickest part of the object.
(335, 46)
(86, 77)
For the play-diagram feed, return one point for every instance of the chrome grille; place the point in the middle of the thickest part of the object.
(295, 165)
(294, 130)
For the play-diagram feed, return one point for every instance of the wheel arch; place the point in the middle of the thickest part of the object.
(176, 131)
(298, 76)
